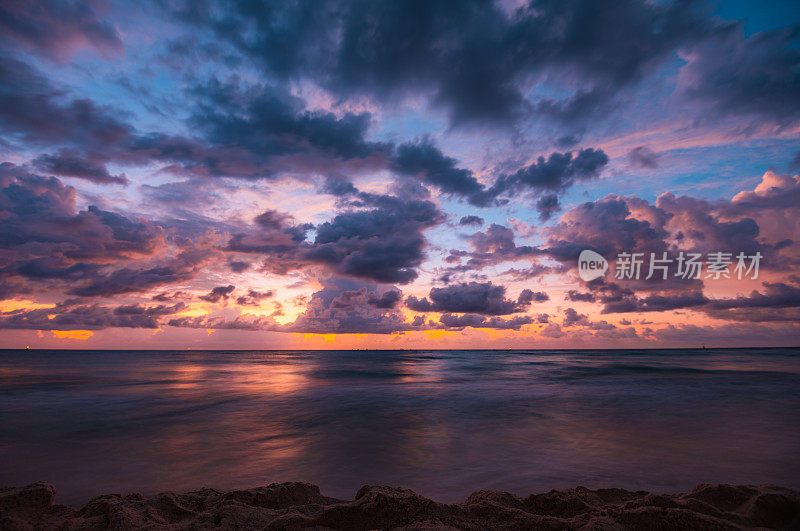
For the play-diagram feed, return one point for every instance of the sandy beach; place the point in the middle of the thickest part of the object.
(302, 505)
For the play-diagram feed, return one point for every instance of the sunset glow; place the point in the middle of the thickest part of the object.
(173, 181)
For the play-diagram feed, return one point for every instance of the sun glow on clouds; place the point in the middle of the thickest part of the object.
(73, 334)
(195, 310)
(12, 305)
(308, 195)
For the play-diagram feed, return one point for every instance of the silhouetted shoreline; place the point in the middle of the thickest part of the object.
(302, 505)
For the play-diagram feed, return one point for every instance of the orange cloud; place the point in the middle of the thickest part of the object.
(73, 334)
(439, 334)
(13, 305)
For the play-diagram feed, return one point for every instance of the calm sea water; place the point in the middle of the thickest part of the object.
(444, 423)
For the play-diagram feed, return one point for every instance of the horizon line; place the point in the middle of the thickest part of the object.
(390, 349)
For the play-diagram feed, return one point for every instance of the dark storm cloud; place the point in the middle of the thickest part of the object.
(527, 296)
(69, 163)
(643, 157)
(680, 223)
(611, 293)
(259, 123)
(253, 132)
(220, 293)
(253, 297)
(40, 220)
(498, 240)
(56, 29)
(184, 267)
(699, 221)
(554, 174)
(426, 162)
(482, 298)
(44, 239)
(573, 318)
(588, 328)
(348, 299)
(140, 309)
(492, 246)
(577, 296)
(12, 288)
(552, 330)
(273, 220)
(73, 315)
(534, 271)
(384, 243)
(481, 62)
(615, 224)
(756, 77)
(780, 301)
(180, 193)
(618, 299)
(777, 295)
(460, 321)
(166, 296)
(733, 334)
(655, 302)
(543, 179)
(547, 206)
(239, 266)
(350, 306)
(37, 113)
(338, 186)
(473, 58)
(248, 132)
(378, 237)
(342, 306)
(450, 320)
(756, 315)
(607, 226)
(52, 268)
(389, 299)
(274, 233)
(219, 322)
(471, 220)
(85, 135)
(795, 162)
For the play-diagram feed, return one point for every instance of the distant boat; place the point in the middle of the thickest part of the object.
(704, 346)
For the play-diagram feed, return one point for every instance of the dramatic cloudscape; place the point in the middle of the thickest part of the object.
(184, 174)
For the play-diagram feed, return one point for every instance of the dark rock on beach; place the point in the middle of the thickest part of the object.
(302, 506)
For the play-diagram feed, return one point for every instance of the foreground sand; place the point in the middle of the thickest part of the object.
(300, 505)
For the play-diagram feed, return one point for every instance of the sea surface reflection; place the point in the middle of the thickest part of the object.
(444, 423)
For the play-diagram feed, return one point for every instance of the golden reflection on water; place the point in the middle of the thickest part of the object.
(276, 378)
(272, 377)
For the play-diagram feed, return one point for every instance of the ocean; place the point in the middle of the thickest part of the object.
(443, 423)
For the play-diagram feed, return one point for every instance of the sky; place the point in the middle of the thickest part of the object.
(357, 175)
